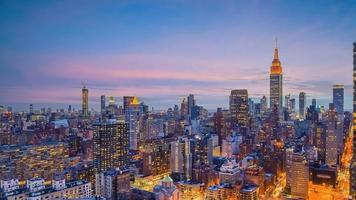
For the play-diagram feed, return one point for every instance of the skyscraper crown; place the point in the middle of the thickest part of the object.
(276, 67)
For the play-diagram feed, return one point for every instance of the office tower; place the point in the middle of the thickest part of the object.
(112, 106)
(263, 102)
(184, 108)
(181, 158)
(133, 111)
(331, 139)
(302, 102)
(292, 104)
(239, 107)
(338, 99)
(299, 176)
(102, 104)
(69, 108)
(191, 104)
(111, 145)
(127, 101)
(314, 103)
(276, 82)
(85, 99)
(166, 190)
(287, 101)
(353, 163)
(31, 108)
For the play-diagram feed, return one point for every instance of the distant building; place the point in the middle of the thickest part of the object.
(263, 102)
(302, 103)
(239, 107)
(85, 102)
(102, 104)
(331, 145)
(338, 99)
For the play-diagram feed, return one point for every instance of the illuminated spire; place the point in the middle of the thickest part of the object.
(276, 67)
(276, 51)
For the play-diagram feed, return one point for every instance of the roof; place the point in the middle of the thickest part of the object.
(167, 179)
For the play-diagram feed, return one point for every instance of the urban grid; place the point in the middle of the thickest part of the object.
(274, 146)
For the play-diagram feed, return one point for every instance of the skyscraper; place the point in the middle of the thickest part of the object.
(276, 82)
(299, 176)
(127, 101)
(314, 103)
(133, 111)
(353, 162)
(102, 103)
(263, 102)
(302, 102)
(239, 106)
(111, 145)
(191, 104)
(287, 101)
(338, 99)
(85, 99)
(181, 158)
(331, 139)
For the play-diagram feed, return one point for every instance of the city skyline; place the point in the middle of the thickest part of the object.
(125, 48)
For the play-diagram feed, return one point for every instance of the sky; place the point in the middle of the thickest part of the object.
(163, 50)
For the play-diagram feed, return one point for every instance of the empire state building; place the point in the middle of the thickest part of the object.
(276, 82)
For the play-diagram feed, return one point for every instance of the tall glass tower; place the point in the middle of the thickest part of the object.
(276, 82)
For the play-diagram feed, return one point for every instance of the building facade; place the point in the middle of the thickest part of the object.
(111, 145)
(276, 82)
(239, 107)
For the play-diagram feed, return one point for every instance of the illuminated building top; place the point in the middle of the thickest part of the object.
(135, 101)
(276, 67)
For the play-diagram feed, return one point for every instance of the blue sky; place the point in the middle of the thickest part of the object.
(163, 50)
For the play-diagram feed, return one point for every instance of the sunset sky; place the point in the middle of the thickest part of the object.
(163, 50)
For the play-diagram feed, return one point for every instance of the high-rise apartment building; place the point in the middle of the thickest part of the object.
(302, 103)
(331, 139)
(111, 145)
(181, 158)
(85, 102)
(299, 176)
(239, 107)
(276, 82)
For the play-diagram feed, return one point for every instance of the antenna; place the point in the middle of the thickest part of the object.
(276, 40)
(83, 84)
